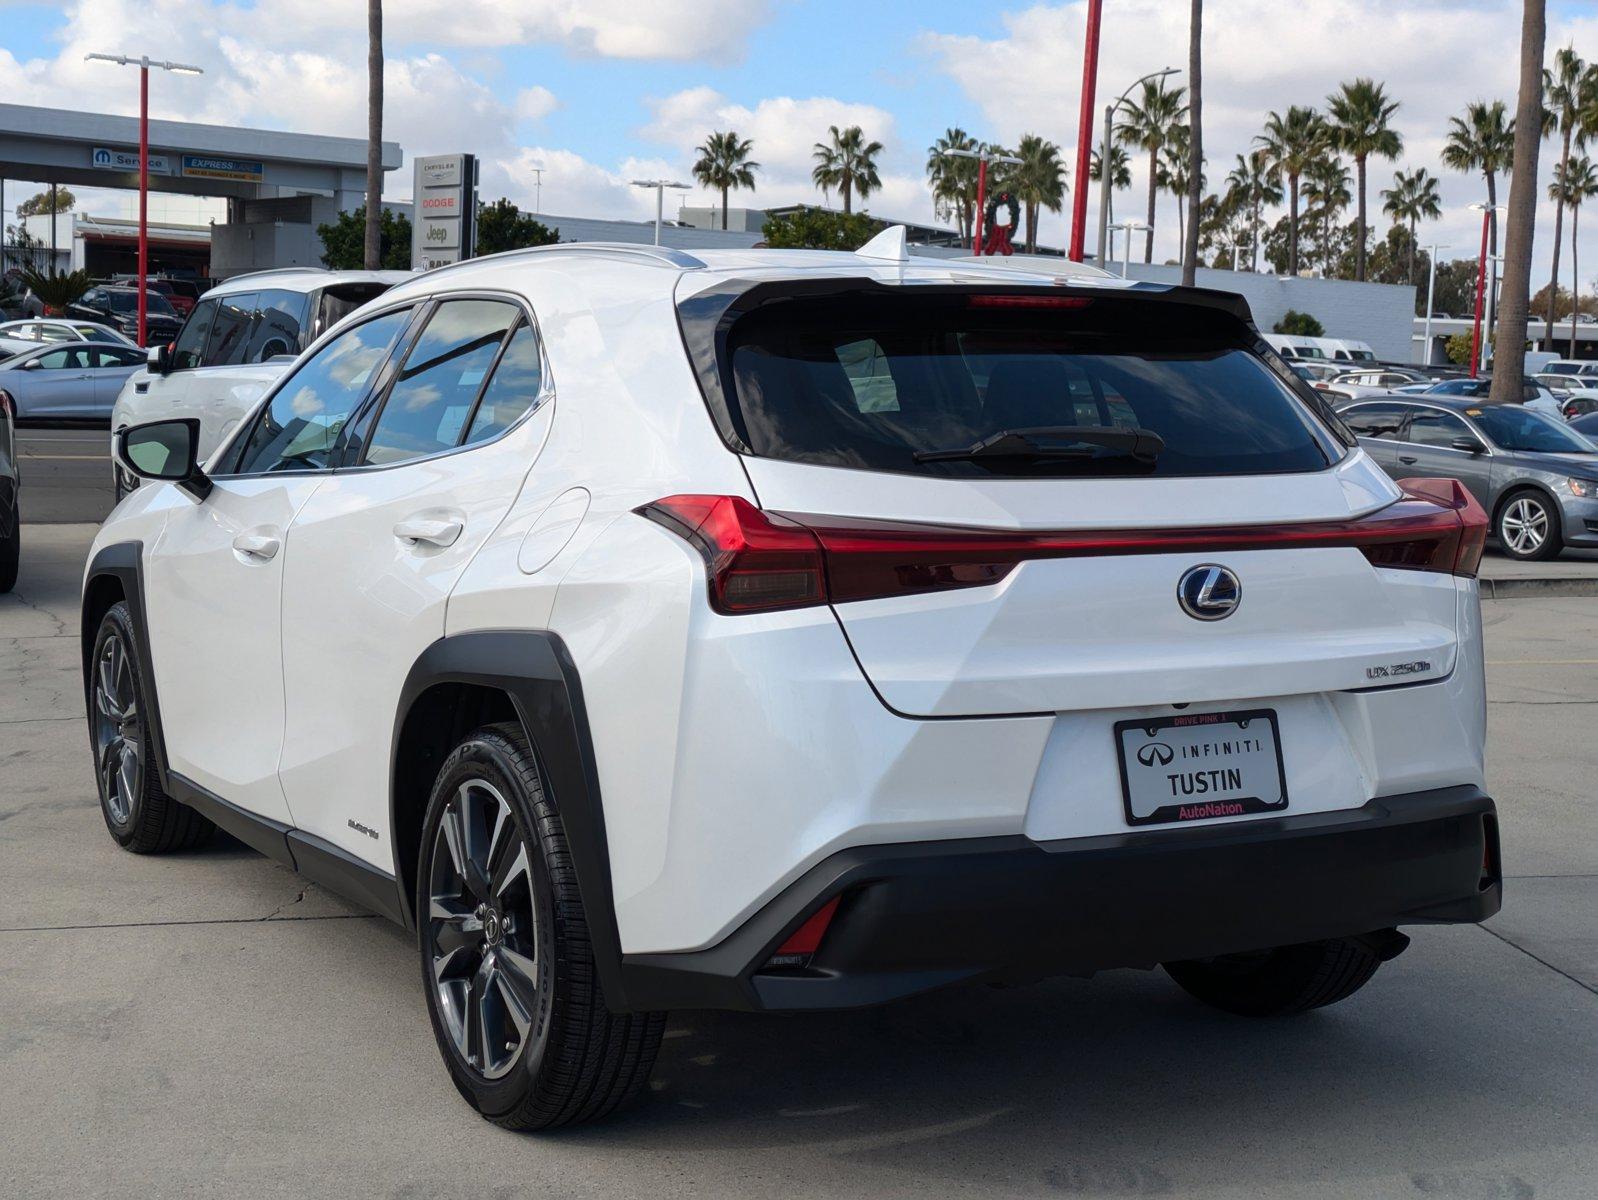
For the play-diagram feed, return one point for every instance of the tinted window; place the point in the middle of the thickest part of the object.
(1428, 427)
(116, 356)
(230, 332)
(512, 389)
(279, 315)
(958, 371)
(1374, 420)
(53, 333)
(65, 359)
(1516, 428)
(299, 428)
(190, 347)
(430, 403)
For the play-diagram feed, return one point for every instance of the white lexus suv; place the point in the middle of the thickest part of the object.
(783, 630)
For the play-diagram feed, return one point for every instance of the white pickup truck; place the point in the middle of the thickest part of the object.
(239, 340)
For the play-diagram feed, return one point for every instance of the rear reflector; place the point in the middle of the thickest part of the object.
(805, 940)
(758, 561)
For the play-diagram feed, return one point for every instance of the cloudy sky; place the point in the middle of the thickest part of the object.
(598, 92)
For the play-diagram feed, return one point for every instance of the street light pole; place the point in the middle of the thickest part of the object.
(1128, 227)
(144, 63)
(1431, 287)
(660, 186)
(1104, 155)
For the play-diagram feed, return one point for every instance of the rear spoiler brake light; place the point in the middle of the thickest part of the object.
(759, 561)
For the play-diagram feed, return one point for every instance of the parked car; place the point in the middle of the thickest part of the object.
(511, 613)
(119, 307)
(17, 336)
(1535, 476)
(180, 294)
(68, 381)
(1577, 403)
(1586, 425)
(1383, 377)
(240, 338)
(10, 514)
(1570, 366)
(1533, 395)
(16, 298)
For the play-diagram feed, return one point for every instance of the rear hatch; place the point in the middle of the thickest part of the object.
(1014, 488)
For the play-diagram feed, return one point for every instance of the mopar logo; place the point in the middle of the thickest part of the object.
(1209, 592)
(1155, 754)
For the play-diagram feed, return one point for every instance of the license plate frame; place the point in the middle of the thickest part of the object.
(1202, 806)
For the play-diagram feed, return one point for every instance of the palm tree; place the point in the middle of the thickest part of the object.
(1570, 100)
(1175, 156)
(1361, 123)
(1147, 124)
(1326, 182)
(1514, 298)
(1412, 198)
(1039, 182)
(1120, 174)
(953, 178)
(372, 250)
(847, 162)
(724, 164)
(1575, 180)
(1483, 140)
(1195, 153)
(1292, 143)
(1251, 184)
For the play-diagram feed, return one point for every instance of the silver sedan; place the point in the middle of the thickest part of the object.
(73, 381)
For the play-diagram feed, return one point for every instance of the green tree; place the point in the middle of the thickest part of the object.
(1039, 182)
(1293, 143)
(1458, 347)
(1252, 183)
(1147, 126)
(1575, 181)
(953, 178)
(847, 162)
(1570, 102)
(1454, 289)
(1483, 140)
(1361, 123)
(819, 229)
(56, 289)
(1396, 258)
(39, 204)
(1412, 198)
(503, 226)
(344, 241)
(1298, 324)
(724, 164)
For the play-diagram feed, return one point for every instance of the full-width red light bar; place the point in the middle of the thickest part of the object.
(759, 561)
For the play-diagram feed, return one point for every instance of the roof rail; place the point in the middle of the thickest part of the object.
(277, 271)
(663, 256)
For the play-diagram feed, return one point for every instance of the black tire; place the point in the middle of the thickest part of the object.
(10, 551)
(141, 817)
(515, 1002)
(1520, 517)
(1280, 982)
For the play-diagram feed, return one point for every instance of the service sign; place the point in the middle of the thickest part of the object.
(103, 159)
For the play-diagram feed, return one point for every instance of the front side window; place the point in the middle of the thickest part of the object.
(1380, 421)
(189, 350)
(1428, 427)
(433, 396)
(920, 384)
(65, 359)
(299, 429)
(115, 356)
(229, 342)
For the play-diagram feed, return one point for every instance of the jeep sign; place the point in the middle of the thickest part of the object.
(443, 225)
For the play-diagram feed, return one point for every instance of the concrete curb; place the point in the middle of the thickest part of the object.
(1511, 589)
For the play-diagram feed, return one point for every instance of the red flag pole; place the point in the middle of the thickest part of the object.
(1084, 133)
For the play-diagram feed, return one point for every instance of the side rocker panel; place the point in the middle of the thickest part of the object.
(535, 669)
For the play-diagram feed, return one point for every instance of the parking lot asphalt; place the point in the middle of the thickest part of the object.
(209, 1024)
(66, 473)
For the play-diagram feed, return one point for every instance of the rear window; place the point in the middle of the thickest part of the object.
(870, 383)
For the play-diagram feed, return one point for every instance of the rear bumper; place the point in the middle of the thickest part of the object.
(916, 916)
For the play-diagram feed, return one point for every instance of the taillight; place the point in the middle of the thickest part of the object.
(758, 561)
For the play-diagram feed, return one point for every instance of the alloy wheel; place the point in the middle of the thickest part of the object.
(1524, 525)
(482, 929)
(118, 730)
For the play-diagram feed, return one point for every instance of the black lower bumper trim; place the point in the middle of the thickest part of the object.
(920, 915)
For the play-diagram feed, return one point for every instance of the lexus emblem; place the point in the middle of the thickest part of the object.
(1155, 752)
(1209, 592)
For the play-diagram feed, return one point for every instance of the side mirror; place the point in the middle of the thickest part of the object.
(31, 365)
(1468, 444)
(159, 358)
(166, 450)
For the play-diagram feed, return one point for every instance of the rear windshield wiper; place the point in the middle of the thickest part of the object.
(1053, 442)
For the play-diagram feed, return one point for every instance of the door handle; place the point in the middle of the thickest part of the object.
(1408, 460)
(259, 546)
(435, 531)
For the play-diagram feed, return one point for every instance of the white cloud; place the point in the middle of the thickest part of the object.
(535, 103)
(1261, 55)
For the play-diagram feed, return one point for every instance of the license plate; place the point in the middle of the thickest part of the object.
(1195, 766)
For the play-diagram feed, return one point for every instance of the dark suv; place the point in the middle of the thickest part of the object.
(118, 307)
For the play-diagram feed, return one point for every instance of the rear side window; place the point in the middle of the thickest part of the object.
(515, 387)
(1428, 427)
(432, 400)
(1375, 420)
(909, 383)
